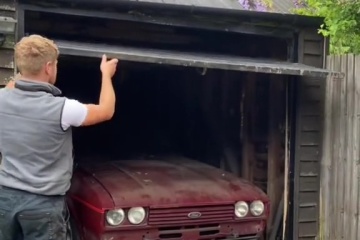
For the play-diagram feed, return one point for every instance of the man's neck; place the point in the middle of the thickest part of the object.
(38, 78)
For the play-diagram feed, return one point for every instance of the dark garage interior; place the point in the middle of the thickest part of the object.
(167, 110)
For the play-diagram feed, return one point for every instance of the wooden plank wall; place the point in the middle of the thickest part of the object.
(308, 142)
(263, 146)
(276, 138)
(7, 9)
(340, 188)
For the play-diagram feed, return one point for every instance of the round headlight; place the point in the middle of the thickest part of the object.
(136, 215)
(241, 209)
(115, 217)
(257, 208)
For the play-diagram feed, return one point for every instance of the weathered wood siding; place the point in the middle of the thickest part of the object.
(308, 132)
(7, 9)
(340, 193)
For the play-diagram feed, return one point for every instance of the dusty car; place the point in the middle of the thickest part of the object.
(171, 198)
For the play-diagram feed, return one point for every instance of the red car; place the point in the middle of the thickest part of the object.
(172, 199)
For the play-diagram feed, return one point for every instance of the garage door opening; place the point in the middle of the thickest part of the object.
(160, 110)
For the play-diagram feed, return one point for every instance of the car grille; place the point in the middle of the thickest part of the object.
(171, 216)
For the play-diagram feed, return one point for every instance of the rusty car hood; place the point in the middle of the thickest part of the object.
(154, 183)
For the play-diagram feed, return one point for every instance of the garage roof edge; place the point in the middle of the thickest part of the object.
(201, 60)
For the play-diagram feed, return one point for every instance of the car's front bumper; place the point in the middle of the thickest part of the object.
(250, 230)
(250, 237)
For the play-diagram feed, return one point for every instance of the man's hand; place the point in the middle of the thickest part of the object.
(108, 68)
(11, 83)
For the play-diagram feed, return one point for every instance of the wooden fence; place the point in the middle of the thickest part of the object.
(340, 170)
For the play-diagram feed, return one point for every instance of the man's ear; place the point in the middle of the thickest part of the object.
(48, 68)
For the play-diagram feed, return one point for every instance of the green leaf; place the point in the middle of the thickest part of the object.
(341, 23)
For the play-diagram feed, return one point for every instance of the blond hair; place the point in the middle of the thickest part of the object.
(33, 52)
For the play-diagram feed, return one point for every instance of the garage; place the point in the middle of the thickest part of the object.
(235, 94)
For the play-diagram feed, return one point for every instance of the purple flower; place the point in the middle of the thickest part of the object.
(260, 6)
(256, 5)
(245, 4)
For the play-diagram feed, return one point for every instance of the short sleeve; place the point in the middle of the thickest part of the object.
(74, 114)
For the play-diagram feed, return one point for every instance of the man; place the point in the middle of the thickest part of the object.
(36, 142)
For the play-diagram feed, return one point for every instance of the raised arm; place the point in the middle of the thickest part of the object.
(105, 109)
(77, 114)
